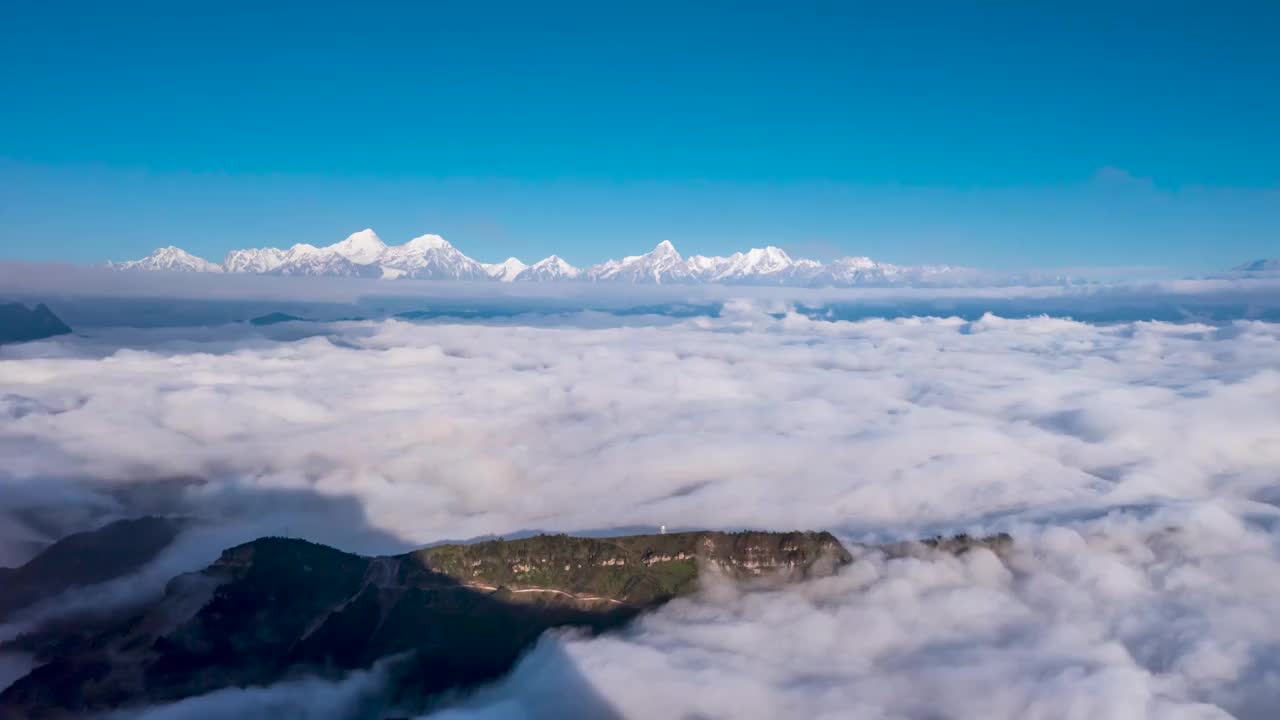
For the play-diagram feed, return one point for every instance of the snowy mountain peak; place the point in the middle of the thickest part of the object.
(553, 261)
(660, 265)
(308, 260)
(253, 260)
(431, 257)
(506, 271)
(430, 242)
(860, 262)
(550, 268)
(170, 258)
(770, 262)
(300, 249)
(705, 267)
(362, 247)
(769, 255)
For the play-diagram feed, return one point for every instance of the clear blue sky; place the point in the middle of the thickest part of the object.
(992, 134)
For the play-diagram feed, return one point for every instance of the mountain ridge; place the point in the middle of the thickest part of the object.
(364, 254)
(446, 617)
(19, 323)
(454, 615)
(86, 558)
(1261, 265)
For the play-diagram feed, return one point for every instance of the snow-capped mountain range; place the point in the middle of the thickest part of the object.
(176, 259)
(364, 254)
(506, 271)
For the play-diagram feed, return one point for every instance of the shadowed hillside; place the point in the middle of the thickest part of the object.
(86, 558)
(454, 615)
(18, 323)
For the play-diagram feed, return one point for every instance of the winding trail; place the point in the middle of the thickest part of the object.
(585, 598)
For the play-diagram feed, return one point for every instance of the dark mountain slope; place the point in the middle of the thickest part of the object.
(454, 615)
(18, 323)
(86, 558)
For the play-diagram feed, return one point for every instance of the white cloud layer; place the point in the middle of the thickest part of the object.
(1137, 465)
(1111, 620)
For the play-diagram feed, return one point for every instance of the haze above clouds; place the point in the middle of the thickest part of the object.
(1134, 463)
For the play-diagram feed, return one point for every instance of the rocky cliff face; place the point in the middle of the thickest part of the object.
(453, 615)
(636, 570)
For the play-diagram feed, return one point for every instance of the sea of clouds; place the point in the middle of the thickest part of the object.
(1136, 464)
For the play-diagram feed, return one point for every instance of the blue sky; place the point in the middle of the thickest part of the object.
(995, 134)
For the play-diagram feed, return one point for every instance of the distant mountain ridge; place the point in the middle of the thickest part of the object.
(1261, 265)
(173, 258)
(86, 558)
(18, 323)
(364, 254)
